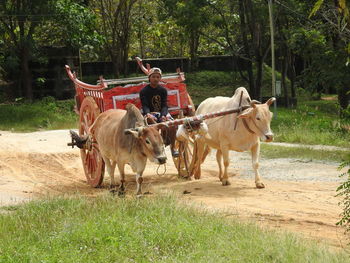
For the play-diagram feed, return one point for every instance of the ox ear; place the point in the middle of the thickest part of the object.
(270, 101)
(134, 132)
(245, 114)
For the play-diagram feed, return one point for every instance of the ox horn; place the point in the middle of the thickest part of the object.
(270, 101)
(253, 102)
(134, 131)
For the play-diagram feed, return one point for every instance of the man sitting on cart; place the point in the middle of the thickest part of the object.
(154, 98)
(154, 103)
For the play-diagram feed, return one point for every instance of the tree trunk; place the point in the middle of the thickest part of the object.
(258, 81)
(284, 76)
(343, 96)
(26, 76)
(115, 63)
(292, 75)
(244, 31)
(194, 42)
(140, 32)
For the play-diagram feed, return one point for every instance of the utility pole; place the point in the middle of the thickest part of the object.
(273, 57)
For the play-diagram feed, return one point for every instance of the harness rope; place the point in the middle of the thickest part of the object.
(164, 169)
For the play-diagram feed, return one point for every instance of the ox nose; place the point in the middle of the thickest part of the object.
(161, 160)
(269, 137)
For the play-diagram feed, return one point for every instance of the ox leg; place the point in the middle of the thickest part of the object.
(219, 160)
(225, 155)
(110, 169)
(198, 158)
(139, 181)
(255, 162)
(121, 168)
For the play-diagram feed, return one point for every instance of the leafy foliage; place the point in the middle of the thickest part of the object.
(344, 191)
(75, 28)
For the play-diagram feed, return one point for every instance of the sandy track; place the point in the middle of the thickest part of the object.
(299, 197)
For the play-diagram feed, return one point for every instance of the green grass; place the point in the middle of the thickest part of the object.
(108, 229)
(314, 122)
(273, 151)
(47, 114)
(204, 84)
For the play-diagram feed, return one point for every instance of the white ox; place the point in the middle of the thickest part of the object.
(122, 139)
(252, 124)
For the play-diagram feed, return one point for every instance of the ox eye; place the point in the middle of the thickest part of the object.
(258, 118)
(148, 141)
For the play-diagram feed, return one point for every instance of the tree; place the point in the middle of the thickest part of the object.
(20, 18)
(75, 29)
(192, 15)
(115, 19)
(24, 33)
(154, 30)
(336, 15)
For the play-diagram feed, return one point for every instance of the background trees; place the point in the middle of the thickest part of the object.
(312, 52)
(28, 26)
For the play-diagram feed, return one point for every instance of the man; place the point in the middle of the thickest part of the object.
(154, 98)
(154, 105)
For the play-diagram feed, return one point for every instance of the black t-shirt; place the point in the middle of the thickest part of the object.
(154, 100)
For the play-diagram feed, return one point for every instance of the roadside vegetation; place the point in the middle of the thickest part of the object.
(270, 151)
(108, 229)
(46, 114)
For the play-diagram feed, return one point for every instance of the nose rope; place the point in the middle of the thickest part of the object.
(164, 169)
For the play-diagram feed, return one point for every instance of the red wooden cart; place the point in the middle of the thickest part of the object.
(91, 100)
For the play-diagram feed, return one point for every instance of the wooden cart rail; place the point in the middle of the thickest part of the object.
(168, 78)
(202, 117)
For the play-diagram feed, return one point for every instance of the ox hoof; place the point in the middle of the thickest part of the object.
(225, 182)
(113, 191)
(121, 193)
(260, 185)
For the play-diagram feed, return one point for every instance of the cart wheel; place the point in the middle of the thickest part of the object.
(93, 163)
(185, 162)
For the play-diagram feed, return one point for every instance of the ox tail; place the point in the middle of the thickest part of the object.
(77, 140)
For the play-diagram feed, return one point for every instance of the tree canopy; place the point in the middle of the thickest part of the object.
(312, 37)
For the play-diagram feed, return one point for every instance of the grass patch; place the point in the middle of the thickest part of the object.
(47, 114)
(108, 229)
(273, 151)
(314, 122)
(204, 84)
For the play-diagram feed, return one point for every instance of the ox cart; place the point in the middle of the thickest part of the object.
(91, 100)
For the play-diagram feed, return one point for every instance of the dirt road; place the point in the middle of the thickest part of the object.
(299, 196)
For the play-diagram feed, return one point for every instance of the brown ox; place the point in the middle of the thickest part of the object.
(226, 135)
(122, 139)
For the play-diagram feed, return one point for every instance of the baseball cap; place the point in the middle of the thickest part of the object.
(154, 70)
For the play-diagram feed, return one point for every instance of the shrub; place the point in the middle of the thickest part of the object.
(344, 191)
